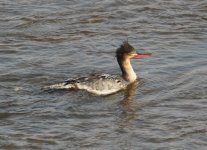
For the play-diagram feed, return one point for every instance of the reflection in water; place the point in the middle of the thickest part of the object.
(44, 41)
(128, 113)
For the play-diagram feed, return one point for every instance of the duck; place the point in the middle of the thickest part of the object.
(106, 84)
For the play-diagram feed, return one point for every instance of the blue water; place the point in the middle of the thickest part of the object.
(46, 42)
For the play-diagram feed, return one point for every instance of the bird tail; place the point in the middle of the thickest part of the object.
(63, 85)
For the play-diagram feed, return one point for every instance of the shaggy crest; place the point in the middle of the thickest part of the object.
(124, 48)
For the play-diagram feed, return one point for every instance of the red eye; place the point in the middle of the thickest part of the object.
(131, 53)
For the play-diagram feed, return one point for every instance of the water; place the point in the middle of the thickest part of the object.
(46, 42)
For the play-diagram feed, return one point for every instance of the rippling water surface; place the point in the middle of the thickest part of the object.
(46, 42)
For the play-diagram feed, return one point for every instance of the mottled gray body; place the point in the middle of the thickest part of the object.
(101, 84)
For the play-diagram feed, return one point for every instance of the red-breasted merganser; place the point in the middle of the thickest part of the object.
(105, 84)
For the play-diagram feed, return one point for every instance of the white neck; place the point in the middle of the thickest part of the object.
(127, 70)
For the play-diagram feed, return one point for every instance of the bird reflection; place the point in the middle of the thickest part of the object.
(128, 111)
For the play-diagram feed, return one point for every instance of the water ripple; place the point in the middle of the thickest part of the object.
(45, 42)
